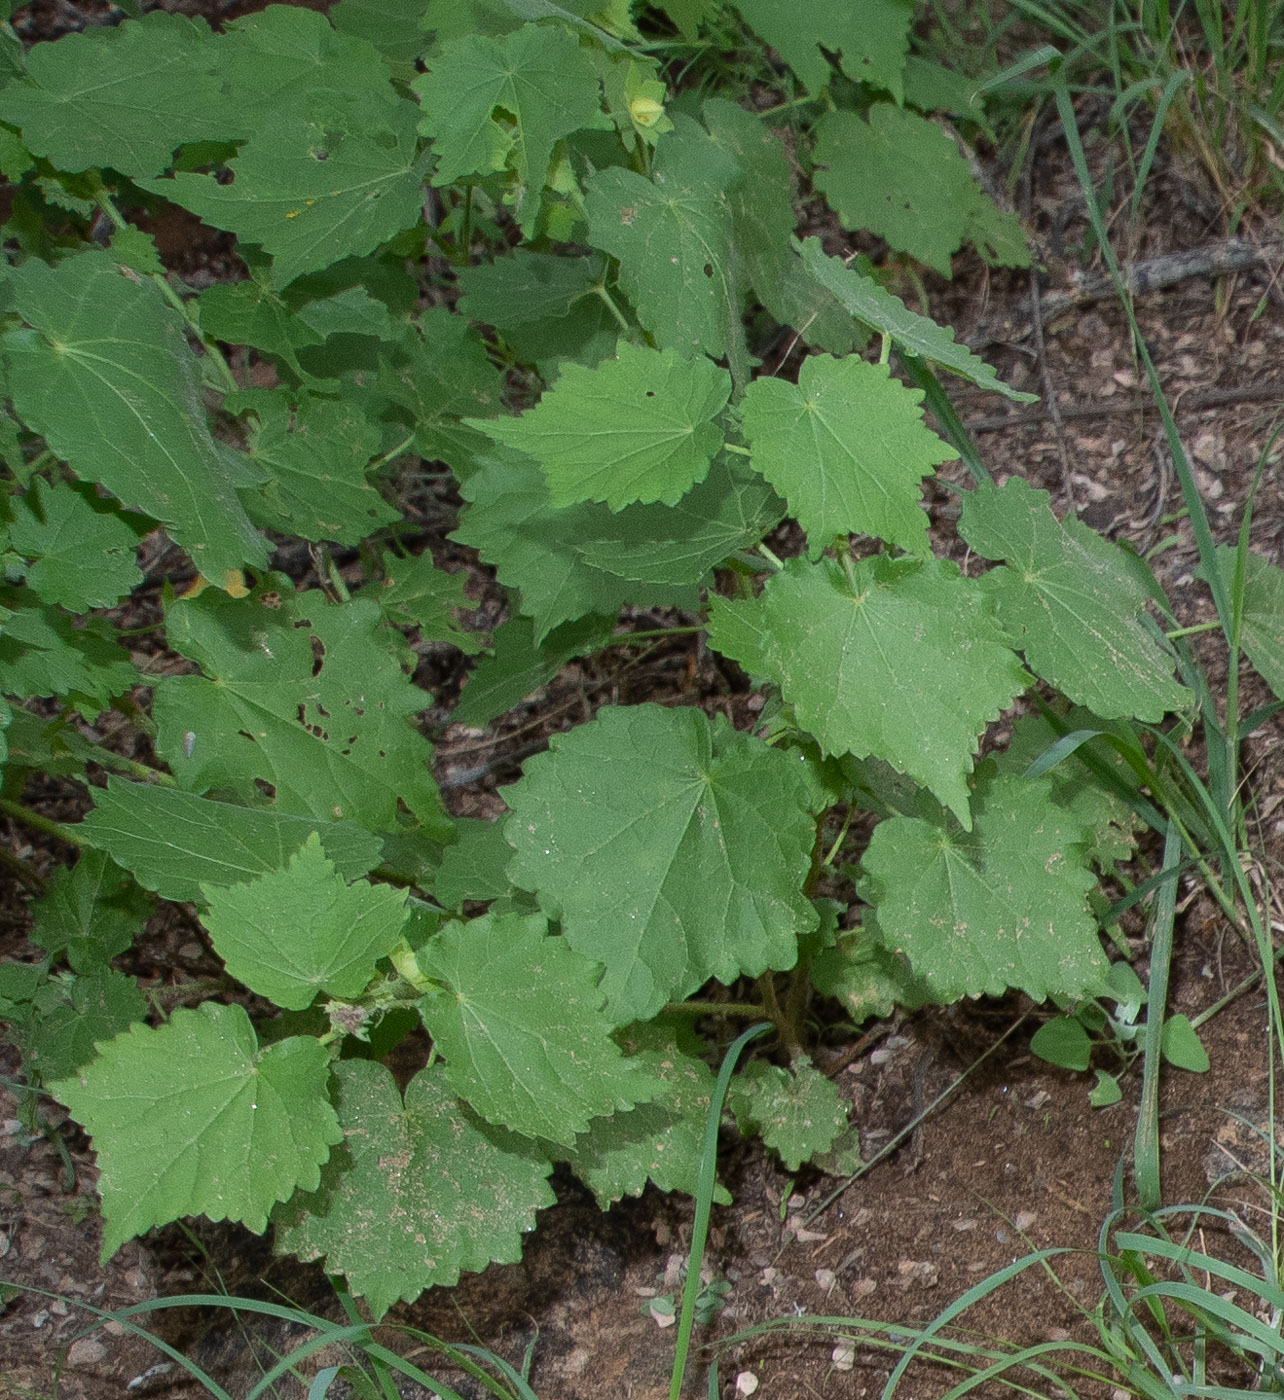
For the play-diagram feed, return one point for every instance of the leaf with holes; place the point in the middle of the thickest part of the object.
(702, 835)
(301, 695)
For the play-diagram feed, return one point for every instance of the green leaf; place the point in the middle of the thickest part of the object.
(106, 376)
(762, 210)
(193, 1118)
(1004, 906)
(661, 1141)
(688, 15)
(1262, 622)
(513, 524)
(247, 313)
(672, 235)
(888, 315)
(310, 191)
(902, 177)
(392, 26)
(476, 866)
(866, 978)
(90, 912)
(537, 77)
(1106, 1091)
(1068, 599)
(871, 38)
(300, 694)
(1181, 1045)
(731, 509)
(313, 453)
(295, 933)
(123, 97)
(637, 428)
(84, 557)
(797, 1111)
(519, 666)
(83, 552)
(524, 287)
(415, 593)
(673, 851)
(418, 1192)
(177, 843)
(896, 658)
(95, 1008)
(1063, 1041)
(518, 1016)
(42, 654)
(847, 447)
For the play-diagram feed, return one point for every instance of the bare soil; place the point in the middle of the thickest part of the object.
(1013, 1159)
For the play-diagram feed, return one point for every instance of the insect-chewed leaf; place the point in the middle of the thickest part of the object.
(193, 1118)
(1070, 601)
(675, 851)
(106, 375)
(518, 1015)
(899, 658)
(1004, 906)
(295, 933)
(637, 428)
(847, 447)
(420, 1191)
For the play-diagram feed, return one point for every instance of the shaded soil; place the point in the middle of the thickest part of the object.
(1014, 1157)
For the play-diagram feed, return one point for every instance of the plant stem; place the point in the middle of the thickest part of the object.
(24, 870)
(714, 1008)
(38, 823)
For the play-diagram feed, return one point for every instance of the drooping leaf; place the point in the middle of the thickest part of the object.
(1002, 906)
(847, 447)
(538, 77)
(417, 593)
(661, 1141)
(762, 211)
(870, 39)
(1262, 623)
(797, 1111)
(637, 428)
(299, 694)
(176, 843)
(89, 912)
(517, 1013)
(672, 235)
(519, 665)
(702, 835)
(83, 558)
(313, 453)
(902, 177)
(897, 658)
(294, 933)
(1067, 598)
(310, 191)
(105, 375)
(513, 524)
(193, 1118)
(913, 334)
(419, 1192)
(121, 96)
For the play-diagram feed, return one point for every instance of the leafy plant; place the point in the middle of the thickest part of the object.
(503, 245)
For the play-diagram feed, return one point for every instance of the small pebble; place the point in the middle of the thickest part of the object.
(86, 1352)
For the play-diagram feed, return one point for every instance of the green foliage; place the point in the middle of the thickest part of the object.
(477, 238)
